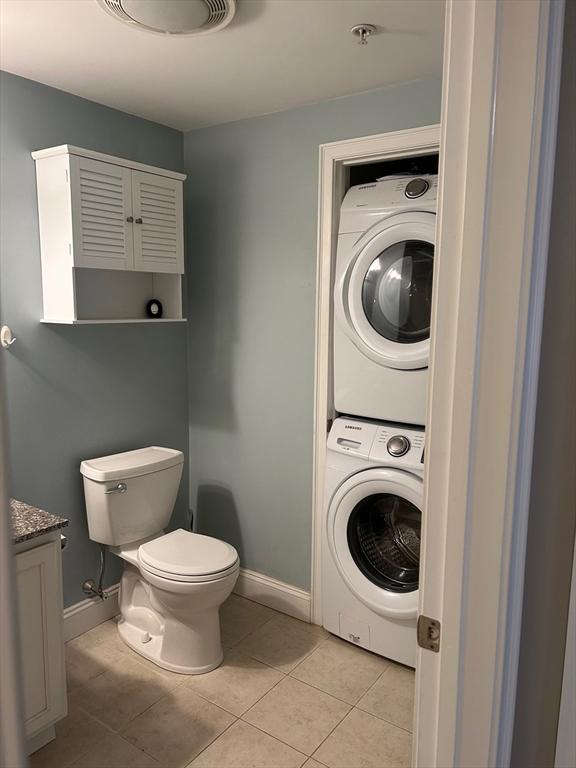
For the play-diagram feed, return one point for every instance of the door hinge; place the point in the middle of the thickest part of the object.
(428, 632)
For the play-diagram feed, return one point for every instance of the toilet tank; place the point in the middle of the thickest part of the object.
(131, 495)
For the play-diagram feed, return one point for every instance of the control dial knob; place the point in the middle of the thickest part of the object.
(416, 188)
(398, 445)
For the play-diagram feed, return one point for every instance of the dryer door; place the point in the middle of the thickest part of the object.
(374, 523)
(386, 293)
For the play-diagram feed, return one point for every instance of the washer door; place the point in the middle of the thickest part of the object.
(373, 529)
(386, 292)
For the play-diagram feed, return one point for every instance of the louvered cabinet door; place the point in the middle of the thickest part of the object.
(101, 214)
(158, 227)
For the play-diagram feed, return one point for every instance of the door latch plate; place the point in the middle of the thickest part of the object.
(428, 633)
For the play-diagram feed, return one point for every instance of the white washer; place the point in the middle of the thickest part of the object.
(371, 535)
(383, 297)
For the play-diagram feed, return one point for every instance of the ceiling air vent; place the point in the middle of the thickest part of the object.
(172, 17)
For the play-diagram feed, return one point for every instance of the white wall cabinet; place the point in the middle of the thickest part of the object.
(39, 599)
(101, 200)
(111, 237)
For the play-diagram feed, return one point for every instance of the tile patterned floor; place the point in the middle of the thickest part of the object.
(287, 695)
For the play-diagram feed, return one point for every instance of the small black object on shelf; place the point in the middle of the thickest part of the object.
(154, 308)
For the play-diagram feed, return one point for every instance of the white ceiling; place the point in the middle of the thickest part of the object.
(276, 54)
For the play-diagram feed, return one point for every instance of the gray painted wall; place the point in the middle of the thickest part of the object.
(77, 392)
(252, 214)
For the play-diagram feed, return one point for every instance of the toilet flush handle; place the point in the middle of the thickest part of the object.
(120, 488)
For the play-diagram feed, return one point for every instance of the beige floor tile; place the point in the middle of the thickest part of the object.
(392, 697)
(239, 617)
(341, 669)
(178, 727)
(175, 677)
(311, 763)
(119, 695)
(283, 642)
(364, 741)
(75, 734)
(114, 752)
(90, 654)
(237, 684)
(243, 746)
(297, 714)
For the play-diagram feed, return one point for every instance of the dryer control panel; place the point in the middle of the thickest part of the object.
(382, 443)
(366, 204)
(390, 192)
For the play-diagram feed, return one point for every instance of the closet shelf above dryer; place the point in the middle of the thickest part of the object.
(111, 237)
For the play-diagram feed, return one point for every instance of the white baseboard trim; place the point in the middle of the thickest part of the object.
(274, 594)
(87, 614)
(285, 598)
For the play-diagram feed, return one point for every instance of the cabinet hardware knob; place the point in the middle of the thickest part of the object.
(129, 219)
(138, 221)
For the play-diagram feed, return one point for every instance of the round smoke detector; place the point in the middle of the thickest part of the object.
(172, 17)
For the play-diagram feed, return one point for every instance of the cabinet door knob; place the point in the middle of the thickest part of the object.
(129, 219)
(138, 221)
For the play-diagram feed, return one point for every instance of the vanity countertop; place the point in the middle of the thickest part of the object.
(29, 522)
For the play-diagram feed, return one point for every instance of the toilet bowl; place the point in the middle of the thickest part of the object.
(173, 584)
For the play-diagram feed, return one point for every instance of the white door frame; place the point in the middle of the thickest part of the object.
(335, 159)
(499, 116)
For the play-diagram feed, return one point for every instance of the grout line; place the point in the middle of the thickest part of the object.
(251, 705)
(357, 705)
(330, 734)
(140, 749)
(384, 720)
(212, 741)
(351, 707)
(317, 688)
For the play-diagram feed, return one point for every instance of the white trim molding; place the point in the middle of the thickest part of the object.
(335, 158)
(273, 593)
(87, 614)
(282, 597)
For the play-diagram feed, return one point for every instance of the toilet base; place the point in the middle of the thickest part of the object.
(175, 625)
(152, 649)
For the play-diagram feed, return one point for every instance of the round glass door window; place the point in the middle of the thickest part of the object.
(397, 291)
(384, 540)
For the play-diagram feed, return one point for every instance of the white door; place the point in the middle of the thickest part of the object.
(499, 117)
(158, 225)
(373, 531)
(386, 293)
(101, 214)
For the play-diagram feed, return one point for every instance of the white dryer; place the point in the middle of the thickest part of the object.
(371, 536)
(383, 299)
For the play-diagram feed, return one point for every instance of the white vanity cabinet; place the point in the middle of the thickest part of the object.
(39, 599)
(111, 237)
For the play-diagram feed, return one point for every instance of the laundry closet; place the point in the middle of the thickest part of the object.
(383, 271)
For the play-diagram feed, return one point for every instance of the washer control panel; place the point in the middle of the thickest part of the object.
(383, 443)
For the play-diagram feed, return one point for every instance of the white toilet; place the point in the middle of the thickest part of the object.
(173, 584)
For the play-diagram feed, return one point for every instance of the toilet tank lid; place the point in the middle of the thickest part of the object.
(120, 466)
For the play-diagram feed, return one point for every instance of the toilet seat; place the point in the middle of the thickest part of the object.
(187, 557)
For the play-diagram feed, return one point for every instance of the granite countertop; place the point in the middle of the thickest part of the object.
(29, 522)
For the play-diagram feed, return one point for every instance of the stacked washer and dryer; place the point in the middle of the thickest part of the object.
(375, 457)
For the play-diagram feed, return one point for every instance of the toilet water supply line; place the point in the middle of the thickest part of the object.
(89, 586)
